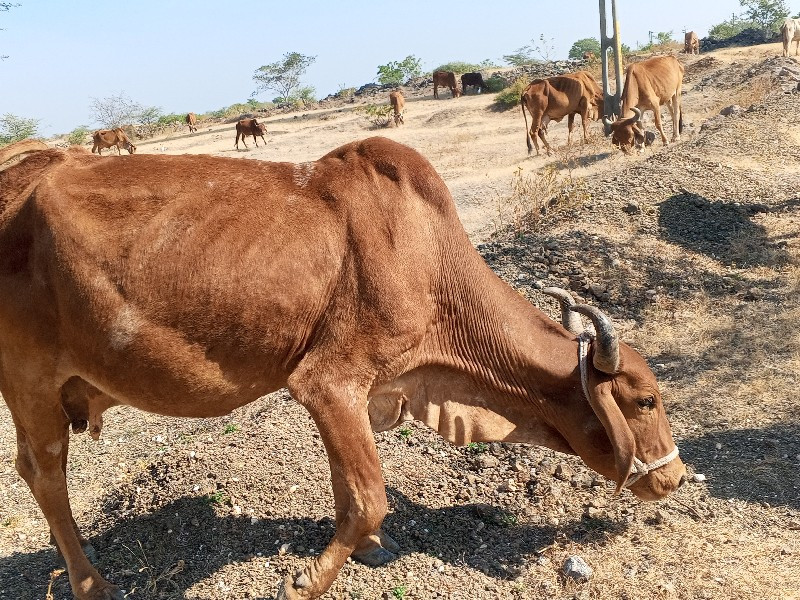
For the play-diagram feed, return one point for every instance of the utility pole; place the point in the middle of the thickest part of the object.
(609, 44)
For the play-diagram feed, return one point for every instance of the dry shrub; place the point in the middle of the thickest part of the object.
(535, 195)
(509, 97)
(379, 115)
(752, 92)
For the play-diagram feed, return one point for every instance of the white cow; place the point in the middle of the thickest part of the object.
(790, 32)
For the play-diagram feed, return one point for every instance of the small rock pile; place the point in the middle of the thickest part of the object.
(748, 37)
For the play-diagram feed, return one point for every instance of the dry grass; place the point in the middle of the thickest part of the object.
(752, 92)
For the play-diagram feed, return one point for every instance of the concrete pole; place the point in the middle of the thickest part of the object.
(607, 44)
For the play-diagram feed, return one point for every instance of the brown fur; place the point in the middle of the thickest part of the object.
(250, 127)
(597, 101)
(106, 138)
(553, 99)
(398, 103)
(191, 121)
(691, 43)
(192, 285)
(445, 79)
(648, 85)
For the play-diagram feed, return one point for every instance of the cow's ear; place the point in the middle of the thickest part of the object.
(621, 436)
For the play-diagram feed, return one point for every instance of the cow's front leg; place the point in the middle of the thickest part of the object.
(41, 437)
(339, 410)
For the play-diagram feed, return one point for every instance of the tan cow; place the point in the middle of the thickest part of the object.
(250, 127)
(191, 121)
(691, 43)
(445, 79)
(790, 32)
(105, 138)
(597, 102)
(349, 280)
(552, 99)
(648, 85)
(398, 103)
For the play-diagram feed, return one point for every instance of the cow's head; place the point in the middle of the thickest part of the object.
(456, 92)
(259, 128)
(619, 428)
(627, 133)
(129, 146)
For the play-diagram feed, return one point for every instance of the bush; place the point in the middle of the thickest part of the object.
(345, 92)
(380, 115)
(584, 45)
(395, 73)
(465, 67)
(495, 84)
(77, 137)
(730, 28)
(14, 128)
(509, 97)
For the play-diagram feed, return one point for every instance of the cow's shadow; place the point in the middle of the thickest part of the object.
(134, 552)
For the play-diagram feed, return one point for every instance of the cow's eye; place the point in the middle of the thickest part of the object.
(647, 403)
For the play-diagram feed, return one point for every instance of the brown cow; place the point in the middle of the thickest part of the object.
(445, 79)
(366, 299)
(191, 121)
(691, 43)
(552, 99)
(250, 127)
(105, 138)
(589, 56)
(597, 102)
(648, 85)
(398, 103)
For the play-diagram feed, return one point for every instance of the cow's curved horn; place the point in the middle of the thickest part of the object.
(569, 319)
(606, 351)
(637, 113)
(607, 121)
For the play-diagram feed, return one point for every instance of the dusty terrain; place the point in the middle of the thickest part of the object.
(692, 249)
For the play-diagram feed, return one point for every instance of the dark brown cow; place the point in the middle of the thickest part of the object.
(250, 127)
(191, 121)
(589, 56)
(648, 85)
(398, 103)
(691, 43)
(192, 285)
(106, 138)
(553, 99)
(473, 79)
(445, 79)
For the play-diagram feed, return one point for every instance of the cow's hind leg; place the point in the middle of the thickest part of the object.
(42, 438)
(339, 409)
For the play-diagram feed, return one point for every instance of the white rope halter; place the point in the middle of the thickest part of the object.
(639, 468)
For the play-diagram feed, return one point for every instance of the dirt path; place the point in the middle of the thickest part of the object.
(692, 249)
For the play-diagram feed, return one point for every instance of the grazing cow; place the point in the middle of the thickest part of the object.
(691, 43)
(250, 127)
(105, 138)
(398, 103)
(648, 85)
(445, 79)
(552, 99)
(790, 32)
(589, 56)
(597, 103)
(191, 121)
(473, 79)
(364, 297)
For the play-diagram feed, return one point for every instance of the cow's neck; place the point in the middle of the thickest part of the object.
(493, 366)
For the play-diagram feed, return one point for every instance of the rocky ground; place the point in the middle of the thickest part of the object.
(692, 249)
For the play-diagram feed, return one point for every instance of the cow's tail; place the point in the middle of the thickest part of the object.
(20, 148)
(524, 116)
(680, 120)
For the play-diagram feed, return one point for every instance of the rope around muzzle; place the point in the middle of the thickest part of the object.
(639, 468)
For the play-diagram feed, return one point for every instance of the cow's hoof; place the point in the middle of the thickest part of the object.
(374, 557)
(288, 592)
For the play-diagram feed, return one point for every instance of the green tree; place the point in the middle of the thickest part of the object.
(14, 128)
(283, 76)
(115, 111)
(520, 57)
(768, 14)
(730, 28)
(396, 72)
(664, 37)
(585, 45)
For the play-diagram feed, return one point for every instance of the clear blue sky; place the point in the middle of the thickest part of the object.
(200, 56)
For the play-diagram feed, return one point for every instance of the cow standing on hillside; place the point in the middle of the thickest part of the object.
(472, 79)
(106, 138)
(191, 121)
(790, 32)
(691, 43)
(445, 79)
(192, 285)
(648, 85)
(552, 99)
(398, 103)
(250, 127)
